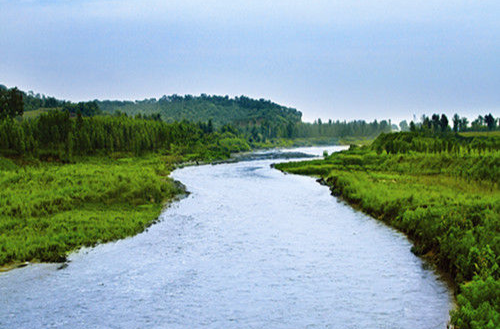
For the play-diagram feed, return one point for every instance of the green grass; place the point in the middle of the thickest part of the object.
(495, 133)
(447, 203)
(35, 113)
(50, 209)
(360, 141)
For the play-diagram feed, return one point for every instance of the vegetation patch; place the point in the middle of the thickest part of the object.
(49, 209)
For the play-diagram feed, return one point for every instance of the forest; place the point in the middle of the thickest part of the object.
(56, 133)
(442, 190)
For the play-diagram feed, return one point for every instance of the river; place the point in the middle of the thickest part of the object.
(250, 247)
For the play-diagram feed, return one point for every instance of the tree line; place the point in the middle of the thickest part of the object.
(57, 133)
(14, 102)
(440, 123)
(424, 142)
(256, 121)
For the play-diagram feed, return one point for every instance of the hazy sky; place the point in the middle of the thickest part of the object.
(329, 59)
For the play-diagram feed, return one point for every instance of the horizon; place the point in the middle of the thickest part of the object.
(416, 119)
(329, 60)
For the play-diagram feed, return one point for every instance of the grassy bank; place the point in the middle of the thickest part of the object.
(447, 202)
(49, 209)
(67, 182)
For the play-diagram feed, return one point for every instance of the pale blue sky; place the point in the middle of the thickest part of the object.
(329, 59)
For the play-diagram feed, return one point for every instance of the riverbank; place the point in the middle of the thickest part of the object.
(52, 205)
(50, 209)
(448, 203)
(268, 255)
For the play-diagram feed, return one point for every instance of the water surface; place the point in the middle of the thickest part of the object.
(250, 247)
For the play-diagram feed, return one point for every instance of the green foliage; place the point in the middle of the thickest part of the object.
(11, 103)
(231, 143)
(7, 165)
(481, 133)
(422, 142)
(349, 131)
(479, 302)
(57, 134)
(258, 121)
(439, 124)
(220, 109)
(443, 192)
(87, 109)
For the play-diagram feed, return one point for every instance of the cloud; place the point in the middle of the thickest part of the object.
(329, 58)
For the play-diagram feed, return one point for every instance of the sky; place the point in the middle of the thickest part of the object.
(380, 59)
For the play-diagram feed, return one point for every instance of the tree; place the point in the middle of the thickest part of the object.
(50, 102)
(490, 121)
(412, 126)
(456, 122)
(463, 124)
(403, 125)
(210, 126)
(436, 123)
(426, 122)
(443, 122)
(11, 103)
(478, 124)
(79, 120)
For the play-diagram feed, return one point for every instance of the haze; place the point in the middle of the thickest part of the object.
(329, 59)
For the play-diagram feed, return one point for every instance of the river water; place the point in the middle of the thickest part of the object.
(250, 247)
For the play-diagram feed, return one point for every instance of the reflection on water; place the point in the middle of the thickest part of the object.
(250, 247)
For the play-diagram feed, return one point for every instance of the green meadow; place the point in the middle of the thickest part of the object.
(49, 209)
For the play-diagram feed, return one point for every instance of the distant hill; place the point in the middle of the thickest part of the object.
(257, 120)
(241, 112)
(238, 111)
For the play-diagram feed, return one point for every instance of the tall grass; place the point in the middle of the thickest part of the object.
(49, 209)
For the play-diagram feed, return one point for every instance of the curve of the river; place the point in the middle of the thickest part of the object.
(250, 247)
